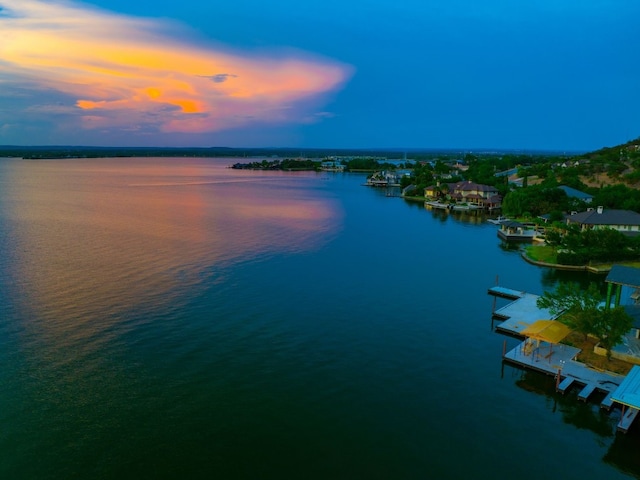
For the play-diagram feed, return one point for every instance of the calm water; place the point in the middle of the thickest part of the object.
(173, 318)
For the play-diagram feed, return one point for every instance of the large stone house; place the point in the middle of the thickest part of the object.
(484, 196)
(625, 221)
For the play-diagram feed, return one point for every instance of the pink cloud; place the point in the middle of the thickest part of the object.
(124, 71)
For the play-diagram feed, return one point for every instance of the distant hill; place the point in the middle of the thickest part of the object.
(611, 165)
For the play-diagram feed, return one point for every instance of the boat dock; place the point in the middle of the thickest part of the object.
(559, 360)
(519, 314)
(628, 395)
(504, 292)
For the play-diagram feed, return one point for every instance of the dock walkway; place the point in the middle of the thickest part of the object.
(628, 416)
(559, 359)
(519, 314)
(504, 292)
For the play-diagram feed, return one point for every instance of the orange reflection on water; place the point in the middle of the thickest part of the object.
(95, 239)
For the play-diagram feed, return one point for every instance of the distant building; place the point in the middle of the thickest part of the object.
(625, 221)
(385, 178)
(332, 166)
(573, 193)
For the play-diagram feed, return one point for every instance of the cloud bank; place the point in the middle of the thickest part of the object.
(75, 65)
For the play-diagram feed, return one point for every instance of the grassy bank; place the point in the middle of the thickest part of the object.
(547, 254)
(542, 253)
(414, 199)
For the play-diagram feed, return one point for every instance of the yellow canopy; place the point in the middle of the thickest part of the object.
(547, 330)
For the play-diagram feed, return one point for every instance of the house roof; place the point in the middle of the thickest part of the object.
(605, 217)
(572, 192)
(628, 393)
(474, 196)
(471, 186)
(621, 275)
(511, 224)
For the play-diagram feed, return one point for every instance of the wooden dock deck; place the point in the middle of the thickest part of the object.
(519, 314)
(504, 292)
(629, 414)
(565, 384)
(607, 403)
(560, 360)
(586, 392)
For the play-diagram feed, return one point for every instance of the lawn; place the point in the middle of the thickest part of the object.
(547, 254)
(542, 253)
(590, 358)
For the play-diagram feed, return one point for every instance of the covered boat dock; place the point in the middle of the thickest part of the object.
(628, 395)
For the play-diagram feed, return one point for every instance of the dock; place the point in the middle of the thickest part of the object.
(559, 361)
(607, 403)
(565, 384)
(504, 292)
(627, 418)
(518, 314)
(628, 395)
(586, 391)
(541, 350)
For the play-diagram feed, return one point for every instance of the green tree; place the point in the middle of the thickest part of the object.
(610, 326)
(575, 305)
(580, 311)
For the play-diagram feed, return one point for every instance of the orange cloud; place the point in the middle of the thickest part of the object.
(128, 70)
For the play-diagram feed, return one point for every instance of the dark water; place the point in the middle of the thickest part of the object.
(172, 318)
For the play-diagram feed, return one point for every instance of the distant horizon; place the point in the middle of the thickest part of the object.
(456, 75)
(305, 149)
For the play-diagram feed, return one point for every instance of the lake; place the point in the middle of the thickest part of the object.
(175, 318)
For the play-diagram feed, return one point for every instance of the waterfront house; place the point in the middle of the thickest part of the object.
(484, 196)
(471, 193)
(432, 191)
(385, 178)
(625, 221)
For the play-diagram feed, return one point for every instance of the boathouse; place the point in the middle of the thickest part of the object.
(628, 395)
(623, 289)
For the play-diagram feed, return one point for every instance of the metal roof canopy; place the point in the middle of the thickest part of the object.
(512, 224)
(549, 331)
(628, 393)
(621, 275)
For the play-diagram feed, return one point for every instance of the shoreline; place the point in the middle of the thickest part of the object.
(576, 268)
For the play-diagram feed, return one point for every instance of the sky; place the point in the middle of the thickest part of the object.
(560, 75)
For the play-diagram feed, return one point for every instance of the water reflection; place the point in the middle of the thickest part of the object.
(93, 239)
(584, 415)
(622, 454)
(474, 217)
(552, 276)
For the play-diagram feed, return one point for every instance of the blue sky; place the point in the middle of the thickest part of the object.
(550, 75)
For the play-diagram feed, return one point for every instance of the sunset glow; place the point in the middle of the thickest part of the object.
(116, 72)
